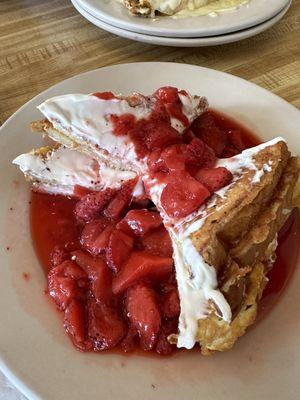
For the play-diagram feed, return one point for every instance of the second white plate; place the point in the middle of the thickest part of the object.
(182, 42)
(255, 12)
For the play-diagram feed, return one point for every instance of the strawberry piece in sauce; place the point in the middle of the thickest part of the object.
(158, 242)
(158, 136)
(169, 301)
(143, 314)
(90, 206)
(74, 323)
(205, 128)
(98, 274)
(121, 201)
(118, 251)
(58, 256)
(65, 282)
(140, 222)
(214, 178)
(141, 266)
(105, 326)
(129, 342)
(183, 195)
(198, 154)
(163, 346)
(91, 236)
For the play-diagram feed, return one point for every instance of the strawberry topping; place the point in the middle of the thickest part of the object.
(119, 248)
(74, 323)
(143, 314)
(214, 178)
(142, 266)
(105, 326)
(158, 242)
(140, 222)
(90, 206)
(183, 195)
(98, 274)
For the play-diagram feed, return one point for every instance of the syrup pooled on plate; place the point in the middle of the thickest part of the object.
(106, 268)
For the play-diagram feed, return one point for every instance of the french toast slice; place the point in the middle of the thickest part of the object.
(222, 252)
(86, 123)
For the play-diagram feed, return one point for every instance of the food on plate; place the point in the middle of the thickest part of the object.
(165, 220)
(182, 8)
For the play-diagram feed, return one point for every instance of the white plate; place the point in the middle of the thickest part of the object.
(114, 13)
(183, 42)
(34, 350)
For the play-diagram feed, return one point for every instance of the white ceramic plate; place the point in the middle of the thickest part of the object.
(34, 350)
(114, 13)
(183, 42)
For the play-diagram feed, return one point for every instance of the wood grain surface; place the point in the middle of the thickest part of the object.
(43, 42)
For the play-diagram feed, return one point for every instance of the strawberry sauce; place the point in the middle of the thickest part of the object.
(108, 261)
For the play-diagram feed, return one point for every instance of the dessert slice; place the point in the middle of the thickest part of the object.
(222, 250)
(59, 170)
(116, 130)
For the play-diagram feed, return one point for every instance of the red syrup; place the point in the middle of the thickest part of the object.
(53, 223)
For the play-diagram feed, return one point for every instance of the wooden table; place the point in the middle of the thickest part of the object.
(43, 42)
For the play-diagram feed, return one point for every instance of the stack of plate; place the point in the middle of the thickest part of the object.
(248, 20)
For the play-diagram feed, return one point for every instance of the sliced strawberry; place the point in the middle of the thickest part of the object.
(74, 323)
(155, 163)
(206, 129)
(169, 302)
(98, 274)
(198, 154)
(102, 241)
(80, 191)
(160, 136)
(158, 242)
(163, 346)
(235, 138)
(143, 314)
(121, 201)
(105, 326)
(140, 222)
(62, 289)
(90, 234)
(141, 266)
(58, 255)
(174, 157)
(214, 178)
(118, 251)
(170, 159)
(65, 282)
(230, 151)
(167, 94)
(90, 206)
(183, 195)
(130, 340)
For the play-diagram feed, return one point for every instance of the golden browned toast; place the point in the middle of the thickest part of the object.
(238, 238)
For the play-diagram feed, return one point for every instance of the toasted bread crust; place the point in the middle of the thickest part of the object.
(244, 262)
